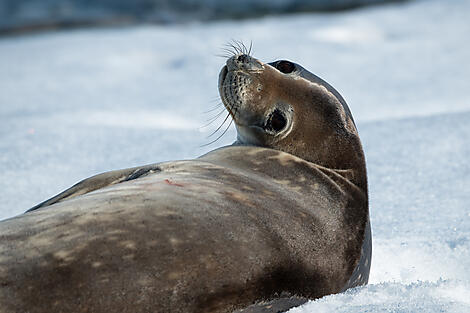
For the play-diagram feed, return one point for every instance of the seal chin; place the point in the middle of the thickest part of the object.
(276, 125)
(251, 135)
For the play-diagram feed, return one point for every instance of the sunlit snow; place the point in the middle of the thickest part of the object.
(76, 103)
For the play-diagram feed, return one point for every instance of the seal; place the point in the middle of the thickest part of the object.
(277, 218)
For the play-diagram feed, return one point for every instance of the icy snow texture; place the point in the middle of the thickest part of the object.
(73, 104)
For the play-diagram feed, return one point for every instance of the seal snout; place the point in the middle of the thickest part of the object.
(236, 78)
(244, 62)
(245, 86)
(236, 83)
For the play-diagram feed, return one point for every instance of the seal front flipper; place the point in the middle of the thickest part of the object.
(99, 181)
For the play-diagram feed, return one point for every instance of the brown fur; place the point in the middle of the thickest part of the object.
(239, 225)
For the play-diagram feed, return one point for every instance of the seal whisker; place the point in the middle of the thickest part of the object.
(218, 128)
(215, 99)
(250, 49)
(241, 46)
(227, 52)
(235, 46)
(224, 56)
(214, 118)
(226, 129)
(213, 109)
(230, 47)
(208, 124)
(246, 48)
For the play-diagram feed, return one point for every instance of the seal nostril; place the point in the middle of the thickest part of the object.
(242, 58)
(276, 121)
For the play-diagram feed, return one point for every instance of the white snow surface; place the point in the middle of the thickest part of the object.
(76, 103)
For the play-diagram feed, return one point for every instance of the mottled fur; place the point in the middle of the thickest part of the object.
(252, 228)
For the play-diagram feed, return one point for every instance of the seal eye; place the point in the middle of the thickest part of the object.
(276, 121)
(285, 67)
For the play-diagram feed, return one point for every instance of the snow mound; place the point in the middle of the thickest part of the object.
(440, 296)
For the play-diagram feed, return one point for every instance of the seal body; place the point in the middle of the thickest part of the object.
(239, 225)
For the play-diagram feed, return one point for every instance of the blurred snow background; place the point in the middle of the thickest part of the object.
(75, 103)
(18, 15)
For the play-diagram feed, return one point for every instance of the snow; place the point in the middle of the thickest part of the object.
(440, 296)
(75, 103)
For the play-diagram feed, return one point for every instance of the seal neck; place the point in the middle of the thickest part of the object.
(345, 156)
(326, 135)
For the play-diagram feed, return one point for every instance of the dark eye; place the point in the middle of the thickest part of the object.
(276, 121)
(285, 67)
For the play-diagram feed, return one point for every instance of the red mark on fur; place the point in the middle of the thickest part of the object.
(169, 182)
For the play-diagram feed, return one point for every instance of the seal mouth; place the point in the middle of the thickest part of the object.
(224, 87)
(223, 75)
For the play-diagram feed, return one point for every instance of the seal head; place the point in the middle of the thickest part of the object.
(281, 105)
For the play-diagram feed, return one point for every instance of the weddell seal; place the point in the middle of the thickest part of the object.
(279, 217)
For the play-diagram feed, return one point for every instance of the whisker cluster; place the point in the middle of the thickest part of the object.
(230, 49)
(235, 47)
